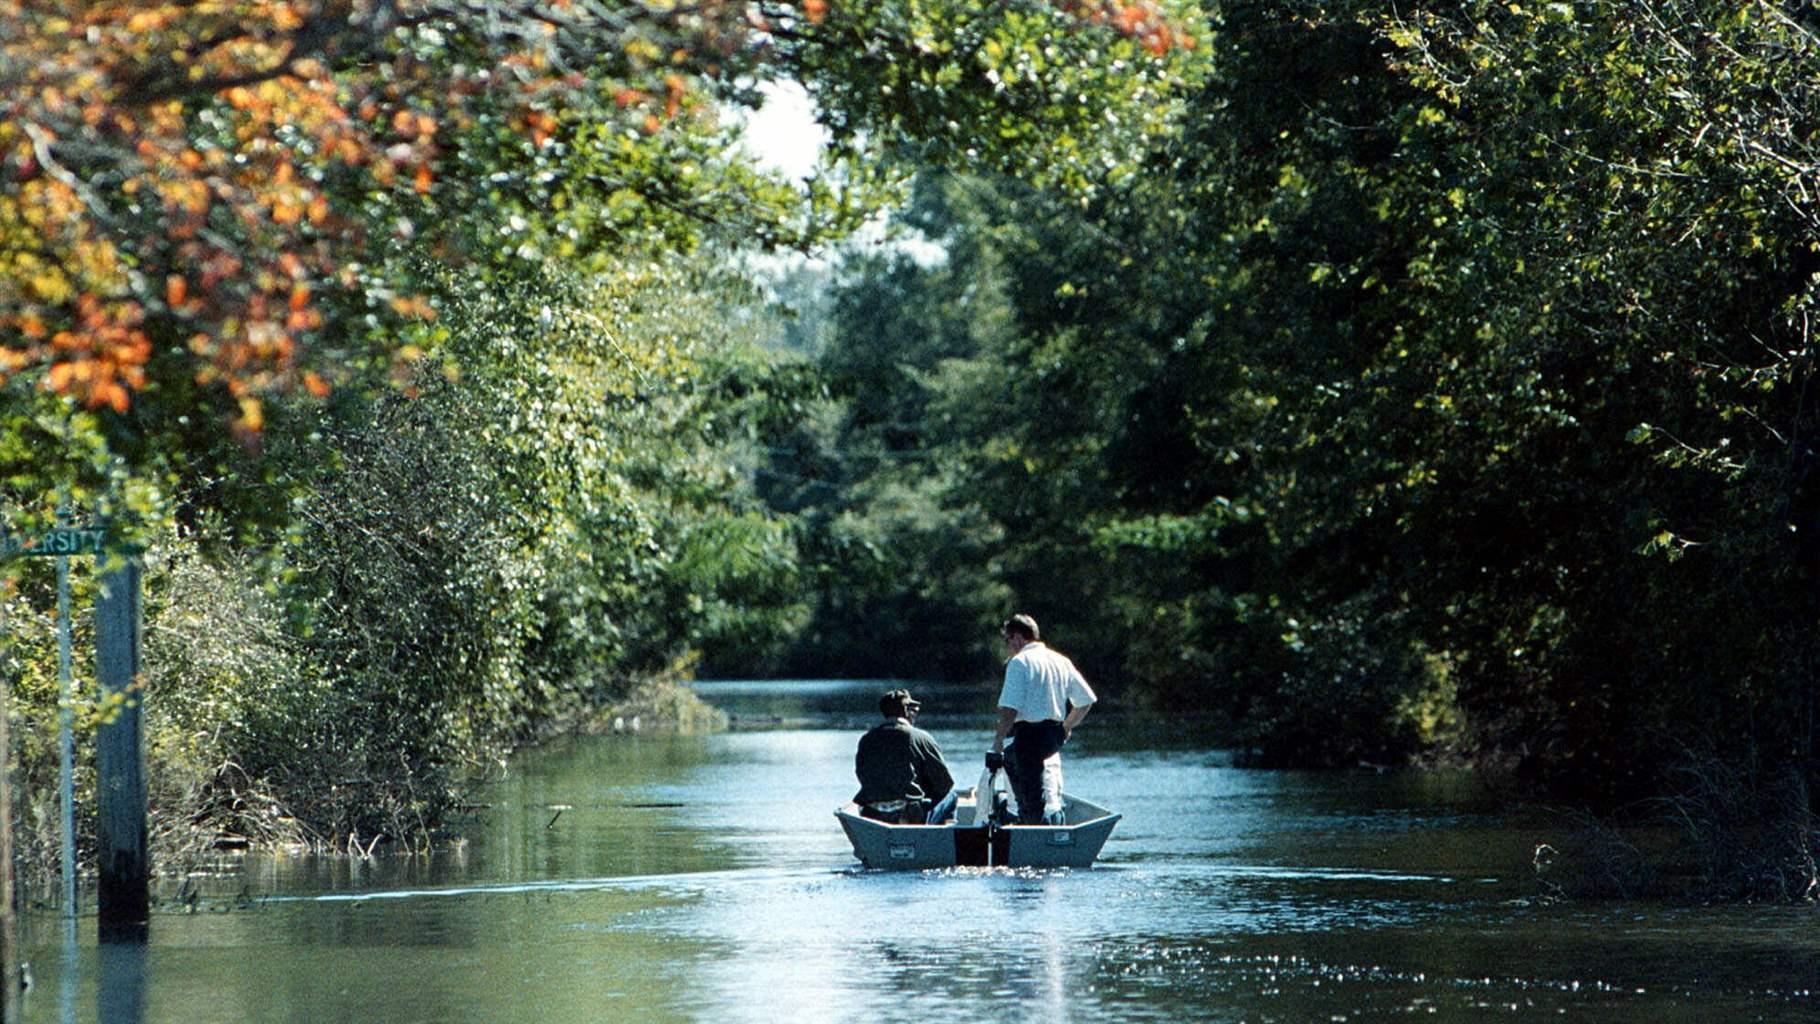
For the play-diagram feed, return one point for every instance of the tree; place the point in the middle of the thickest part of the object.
(1445, 387)
(203, 209)
(275, 280)
(898, 556)
(201, 177)
(194, 176)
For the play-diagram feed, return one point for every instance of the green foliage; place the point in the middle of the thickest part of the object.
(1593, 266)
(1441, 385)
(514, 544)
(534, 482)
(1014, 87)
(545, 514)
(1389, 382)
(1483, 319)
(903, 558)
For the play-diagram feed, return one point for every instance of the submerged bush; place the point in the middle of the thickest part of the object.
(1730, 833)
(534, 526)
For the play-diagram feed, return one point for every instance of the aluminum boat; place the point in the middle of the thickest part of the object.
(981, 843)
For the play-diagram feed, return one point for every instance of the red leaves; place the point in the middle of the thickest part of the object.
(182, 159)
(104, 359)
(542, 126)
(226, 218)
(413, 125)
(1142, 20)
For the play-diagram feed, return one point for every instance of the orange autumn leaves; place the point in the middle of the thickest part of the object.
(163, 183)
(176, 177)
(1143, 20)
(103, 356)
(187, 178)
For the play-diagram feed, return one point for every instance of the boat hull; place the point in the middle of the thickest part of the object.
(921, 847)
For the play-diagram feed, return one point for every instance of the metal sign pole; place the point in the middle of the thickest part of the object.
(121, 791)
(66, 741)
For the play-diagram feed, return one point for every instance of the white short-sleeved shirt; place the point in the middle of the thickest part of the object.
(1040, 684)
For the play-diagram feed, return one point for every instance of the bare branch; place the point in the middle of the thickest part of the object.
(42, 150)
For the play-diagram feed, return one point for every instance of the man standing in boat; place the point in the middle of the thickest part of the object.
(1043, 699)
(900, 768)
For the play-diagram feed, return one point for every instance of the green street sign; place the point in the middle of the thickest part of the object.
(69, 540)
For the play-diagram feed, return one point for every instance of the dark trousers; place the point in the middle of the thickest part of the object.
(1031, 745)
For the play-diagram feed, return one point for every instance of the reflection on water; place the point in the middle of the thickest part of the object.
(705, 879)
(68, 972)
(122, 973)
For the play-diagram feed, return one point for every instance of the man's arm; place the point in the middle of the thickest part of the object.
(1080, 698)
(1010, 698)
(935, 778)
(1006, 718)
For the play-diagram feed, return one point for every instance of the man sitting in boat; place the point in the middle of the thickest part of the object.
(900, 767)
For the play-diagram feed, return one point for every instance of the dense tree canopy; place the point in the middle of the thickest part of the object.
(1389, 381)
(1442, 386)
(202, 202)
(404, 338)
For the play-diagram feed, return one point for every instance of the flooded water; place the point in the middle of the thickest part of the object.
(659, 878)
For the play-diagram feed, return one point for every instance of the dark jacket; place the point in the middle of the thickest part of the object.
(898, 761)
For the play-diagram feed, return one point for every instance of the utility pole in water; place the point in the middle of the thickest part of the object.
(9, 924)
(123, 910)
